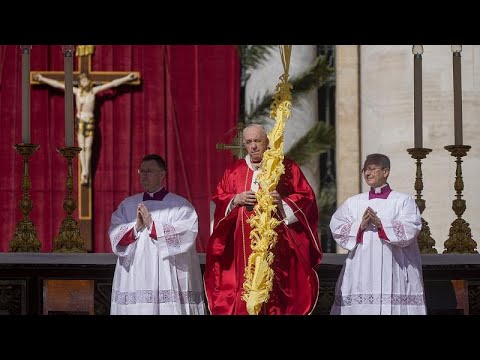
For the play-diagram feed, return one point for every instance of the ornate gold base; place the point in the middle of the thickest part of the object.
(426, 243)
(25, 237)
(69, 238)
(460, 236)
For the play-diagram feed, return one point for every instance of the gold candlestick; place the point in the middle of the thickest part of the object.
(460, 236)
(425, 241)
(25, 237)
(69, 238)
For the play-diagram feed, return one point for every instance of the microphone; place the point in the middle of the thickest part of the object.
(249, 207)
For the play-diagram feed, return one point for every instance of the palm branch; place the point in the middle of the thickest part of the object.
(319, 139)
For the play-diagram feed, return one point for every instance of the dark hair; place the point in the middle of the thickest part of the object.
(378, 159)
(161, 163)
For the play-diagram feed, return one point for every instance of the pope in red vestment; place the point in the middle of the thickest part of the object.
(297, 251)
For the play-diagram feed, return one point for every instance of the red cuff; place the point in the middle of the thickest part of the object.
(382, 235)
(153, 232)
(127, 239)
(360, 236)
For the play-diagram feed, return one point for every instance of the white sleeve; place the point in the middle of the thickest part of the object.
(177, 235)
(344, 226)
(405, 227)
(290, 217)
(230, 207)
(119, 226)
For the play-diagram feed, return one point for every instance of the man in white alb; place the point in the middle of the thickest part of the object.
(382, 274)
(153, 234)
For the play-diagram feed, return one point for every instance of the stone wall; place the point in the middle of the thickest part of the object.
(386, 122)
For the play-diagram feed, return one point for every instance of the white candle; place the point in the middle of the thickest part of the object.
(417, 96)
(457, 93)
(26, 93)
(68, 68)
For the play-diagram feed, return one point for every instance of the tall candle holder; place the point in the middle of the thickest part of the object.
(25, 237)
(460, 236)
(425, 241)
(69, 238)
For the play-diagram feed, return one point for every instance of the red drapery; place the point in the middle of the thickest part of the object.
(188, 102)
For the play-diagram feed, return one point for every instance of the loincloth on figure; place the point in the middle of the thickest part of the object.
(85, 127)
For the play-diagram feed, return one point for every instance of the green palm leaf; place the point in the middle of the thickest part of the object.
(318, 74)
(253, 56)
(319, 139)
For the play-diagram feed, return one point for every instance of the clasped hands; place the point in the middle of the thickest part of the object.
(370, 217)
(144, 218)
(248, 198)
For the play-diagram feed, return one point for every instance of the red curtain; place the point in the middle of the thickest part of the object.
(187, 102)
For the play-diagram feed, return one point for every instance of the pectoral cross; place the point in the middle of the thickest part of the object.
(236, 147)
(84, 55)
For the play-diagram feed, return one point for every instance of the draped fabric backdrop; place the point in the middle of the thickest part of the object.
(187, 102)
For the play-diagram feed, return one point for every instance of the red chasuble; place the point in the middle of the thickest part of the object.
(297, 251)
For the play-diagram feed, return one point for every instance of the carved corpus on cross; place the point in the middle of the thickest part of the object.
(85, 101)
(84, 55)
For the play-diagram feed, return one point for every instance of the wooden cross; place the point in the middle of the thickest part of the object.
(84, 55)
(236, 147)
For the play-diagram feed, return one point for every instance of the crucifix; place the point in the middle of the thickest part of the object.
(87, 83)
(236, 147)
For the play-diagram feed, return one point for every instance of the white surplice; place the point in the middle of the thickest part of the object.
(378, 276)
(156, 277)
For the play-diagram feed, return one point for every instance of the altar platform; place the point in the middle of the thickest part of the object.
(68, 284)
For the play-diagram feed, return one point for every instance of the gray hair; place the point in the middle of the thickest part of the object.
(258, 126)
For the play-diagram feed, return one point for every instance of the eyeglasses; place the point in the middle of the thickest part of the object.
(372, 170)
(148, 172)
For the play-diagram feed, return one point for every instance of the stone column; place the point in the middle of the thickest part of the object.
(347, 103)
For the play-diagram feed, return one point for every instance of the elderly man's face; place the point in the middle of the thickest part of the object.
(256, 142)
